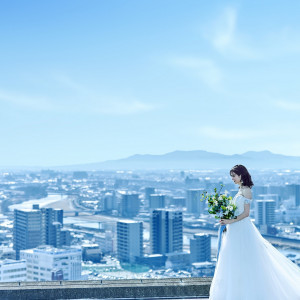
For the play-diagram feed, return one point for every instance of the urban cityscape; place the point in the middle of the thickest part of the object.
(117, 118)
(94, 225)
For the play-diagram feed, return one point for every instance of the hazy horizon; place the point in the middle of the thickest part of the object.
(135, 154)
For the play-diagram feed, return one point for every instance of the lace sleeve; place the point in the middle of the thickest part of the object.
(247, 194)
(247, 201)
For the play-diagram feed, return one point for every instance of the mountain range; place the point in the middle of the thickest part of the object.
(195, 160)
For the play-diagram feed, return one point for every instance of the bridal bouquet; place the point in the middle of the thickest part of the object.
(219, 204)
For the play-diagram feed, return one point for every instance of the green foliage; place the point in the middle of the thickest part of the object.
(219, 204)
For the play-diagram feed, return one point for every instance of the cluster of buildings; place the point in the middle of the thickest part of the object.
(151, 219)
(41, 247)
(166, 241)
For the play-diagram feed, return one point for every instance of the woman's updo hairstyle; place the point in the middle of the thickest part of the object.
(240, 170)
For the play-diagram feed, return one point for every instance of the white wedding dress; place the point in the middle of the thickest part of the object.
(251, 268)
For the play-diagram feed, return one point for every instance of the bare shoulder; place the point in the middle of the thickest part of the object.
(246, 192)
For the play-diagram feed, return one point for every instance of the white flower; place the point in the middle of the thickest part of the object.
(229, 208)
(220, 198)
(215, 202)
(220, 214)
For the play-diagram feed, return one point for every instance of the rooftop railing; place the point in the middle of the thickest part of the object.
(169, 288)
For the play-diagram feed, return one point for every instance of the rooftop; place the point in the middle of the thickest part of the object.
(52, 250)
(11, 261)
(128, 221)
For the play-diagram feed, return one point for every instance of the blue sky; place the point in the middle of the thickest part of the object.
(88, 81)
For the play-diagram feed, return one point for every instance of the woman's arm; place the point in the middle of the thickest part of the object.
(240, 217)
(246, 193)
(243, 215)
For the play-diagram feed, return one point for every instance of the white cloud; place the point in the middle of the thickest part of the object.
(224, 29)
(227, 38)
(206, 70)
(288, 105)
(71, 97)
(34, 102)
(222, 33)
(102, 104)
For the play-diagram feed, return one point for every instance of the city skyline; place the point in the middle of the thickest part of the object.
(86, 82)
(57, 213)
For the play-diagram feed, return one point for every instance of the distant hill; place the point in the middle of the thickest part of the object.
(197, 159)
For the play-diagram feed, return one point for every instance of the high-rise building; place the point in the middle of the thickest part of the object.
(200, 247)
(178, 201)
(130, 205)
(27, 231)
(157, 201)
(129, 240)
(166, 231)
(35, 227)
(52, 222)
(64, 237)
(47, 263)
(259, 190)
(274, 197)
(149, 191)
(277, 189)
(108, 202)
(194, 203)
(12, 270)
(265, 213)
(293, 190)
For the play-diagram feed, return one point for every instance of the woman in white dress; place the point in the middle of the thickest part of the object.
(249, 267)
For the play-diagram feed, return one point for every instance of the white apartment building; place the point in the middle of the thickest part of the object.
(12, 270)
(47, 263)
(129, 240)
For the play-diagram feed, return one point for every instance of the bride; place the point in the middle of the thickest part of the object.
(248, 266)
